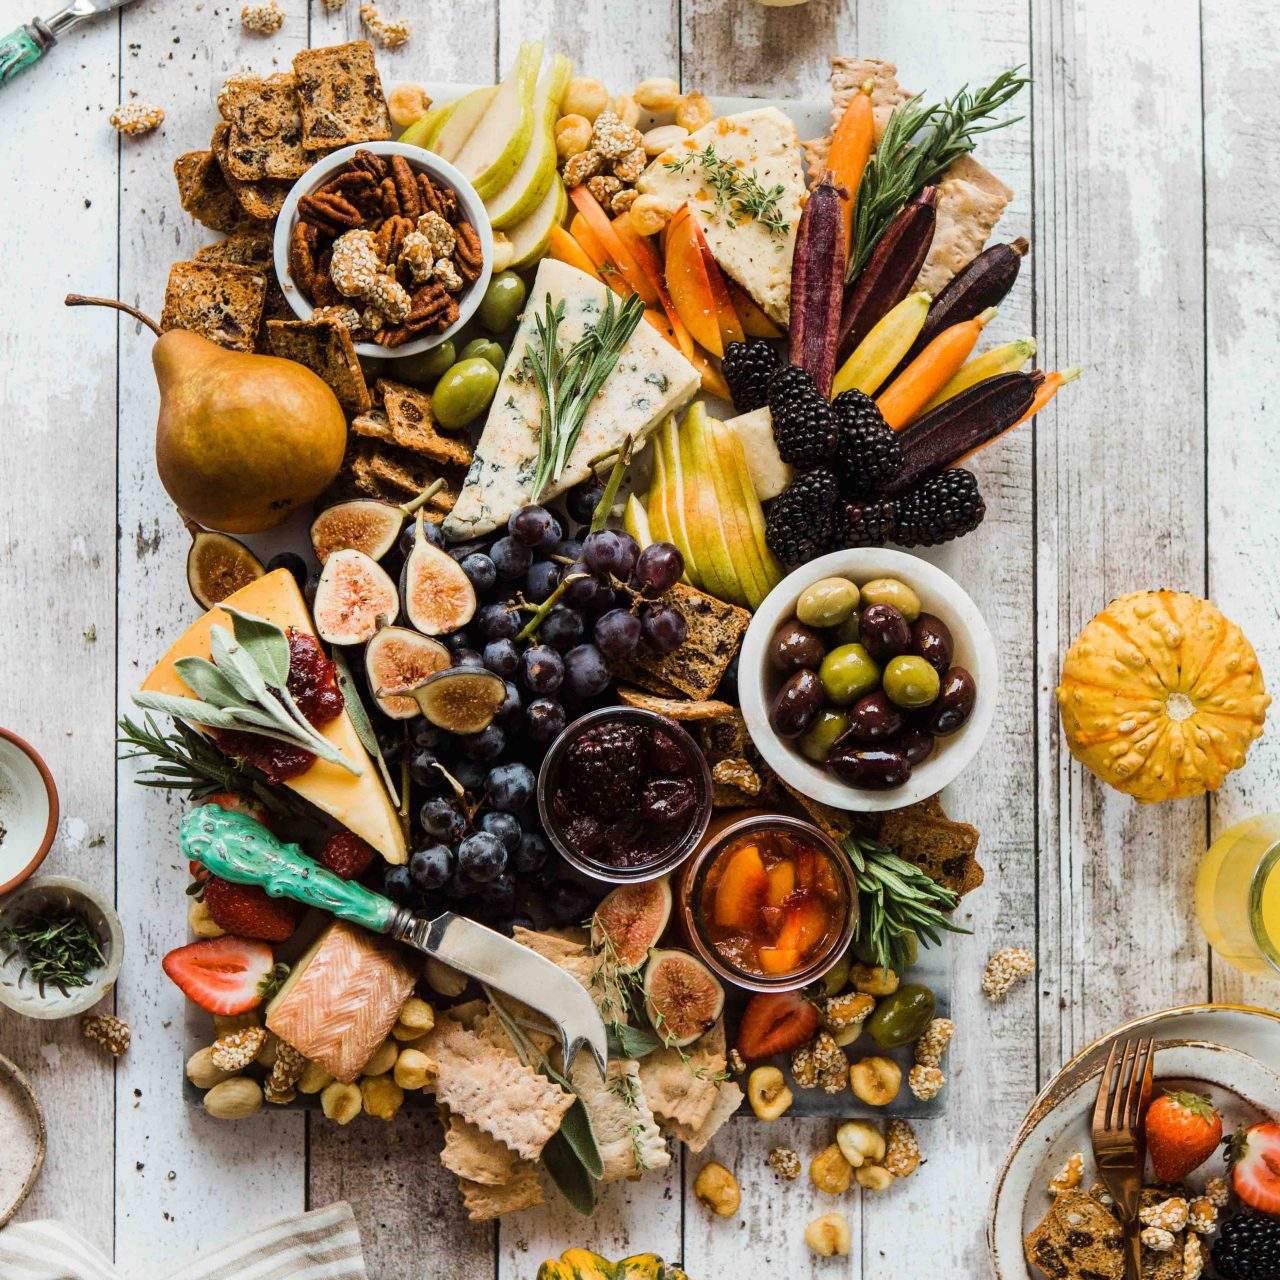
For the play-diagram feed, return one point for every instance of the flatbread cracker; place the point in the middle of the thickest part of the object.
(727, 1101)
(219, 300)
(970, 202)
(484, 1203)
(341, 97)
(396, 476)
(681, 1086)
(412, 425)
(324, 347)
(203, 192)
(472, 1154)
(625, 1130)
(676, 708)
(260, 200)
(266, 127)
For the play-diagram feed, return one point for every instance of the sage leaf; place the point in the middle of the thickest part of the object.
(567, 1172)
(631, 1042)
(363, 725)
(576, 1130)
(237, 665)
(264, 642)
(207, 682)
(191, 709)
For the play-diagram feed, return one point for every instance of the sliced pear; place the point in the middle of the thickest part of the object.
(459, 124)
(531, 238)
(655, 503)
(422, 132)
(671, 496)
(497, 145)
(739, 505)
(636, 522)
(701, 507)
(530, 182)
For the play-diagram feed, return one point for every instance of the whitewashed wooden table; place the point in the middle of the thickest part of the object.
(1148, 179)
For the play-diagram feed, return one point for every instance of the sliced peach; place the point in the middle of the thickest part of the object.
(564, 248)
(603, 230)
(782, 880)
(688, 284)
(713, 382)
(591, 247)
(726, 317)
(741, 890)
(810, 918)
(778, 959)
(806, 864)
(755, 322)
(824, 880)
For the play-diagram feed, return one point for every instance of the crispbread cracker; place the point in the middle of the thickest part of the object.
(681, 1086)
(341, 97)
(474, 1155)
(970, 202)
(625, 1130)
(266, 127)
(219, 300)
(487, 1084)
(835, 822)
(412, 425)
(727, 1101)
(396, 476)
(203, 192)
(675, 708)
(483, 1203)
(943, 849)
(573, 957)
(247, 247)
(324, 347)
(260, 200)
(848, 75)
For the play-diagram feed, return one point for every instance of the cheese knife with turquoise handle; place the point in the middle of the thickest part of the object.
(237, 848)
(27, 44)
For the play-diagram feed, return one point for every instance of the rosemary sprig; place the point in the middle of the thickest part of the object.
(739, 196)
(919, 144)
(896, 899)
(569, 381)
(58, 947)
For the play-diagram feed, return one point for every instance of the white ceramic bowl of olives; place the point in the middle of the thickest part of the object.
(868, 679)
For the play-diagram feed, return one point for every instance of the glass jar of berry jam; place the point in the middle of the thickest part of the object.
(768, 901)
(624, 794)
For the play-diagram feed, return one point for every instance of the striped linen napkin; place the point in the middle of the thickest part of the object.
(321, 1245)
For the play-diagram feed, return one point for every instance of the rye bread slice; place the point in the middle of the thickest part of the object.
(412, 425)
(220, 300)
(266, 128)
(943, 849)
(260, 200)
(341, 97)
(324, 347)
(204, 194)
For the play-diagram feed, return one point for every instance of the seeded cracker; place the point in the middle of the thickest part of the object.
(625, 1130)
(412, 425)
(675, 708)
(249, 247)
(324, 347)
(203, 192)
(260, 201)
(483, 1204)
(341, 97)
(727, 1101)
(472, 1154)
(219, 300)
(266, 128)
(924, 835)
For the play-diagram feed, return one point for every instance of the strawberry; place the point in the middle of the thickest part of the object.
(776, 1024)
(1254, 1154)
(346, 855)
(222, 975)
(1183, 1131)
(249, 911)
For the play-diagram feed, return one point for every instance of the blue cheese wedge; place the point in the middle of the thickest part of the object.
(650, 380)
(721, 172)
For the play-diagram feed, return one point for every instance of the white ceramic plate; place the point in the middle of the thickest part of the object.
(1243, 1089)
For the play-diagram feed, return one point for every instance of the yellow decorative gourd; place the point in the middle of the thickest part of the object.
(582, 1264)
(1161, 696)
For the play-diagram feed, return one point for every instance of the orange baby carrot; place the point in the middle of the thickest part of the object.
(1048, 389)
(851, 146)
(930, 371)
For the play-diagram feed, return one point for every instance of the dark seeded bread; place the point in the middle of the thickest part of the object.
(413, 425)
(203, 192)
(260, 200)
(341, 97)
(266, 128)
(325, 347)
(220, 300)
(923, 834)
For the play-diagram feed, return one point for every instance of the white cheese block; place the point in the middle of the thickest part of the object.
(769, 474)
(760, 144)
(650, 380)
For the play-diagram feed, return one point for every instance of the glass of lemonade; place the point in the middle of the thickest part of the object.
(1238, 895)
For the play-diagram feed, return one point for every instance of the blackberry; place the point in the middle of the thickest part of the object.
(866, 524)
(605, 767)
(802, 517)
(868, 453)
(803, 426)
(943, 507)
(1248, 1248)
(747, 367)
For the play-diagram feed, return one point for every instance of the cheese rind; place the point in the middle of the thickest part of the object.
(650, 380)
(360, 803)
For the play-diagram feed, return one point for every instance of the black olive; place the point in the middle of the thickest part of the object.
(874, 718)
(797, 703)
(795, 646)
(954, 703)
(916, 744)
(884, 631)
(931, 640)
(875, 768)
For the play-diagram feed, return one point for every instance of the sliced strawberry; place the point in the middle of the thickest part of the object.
(776, 1024)
(346, 855)
(1183, 1131)
(222, 975)
(249, 911)
(1255, 1166)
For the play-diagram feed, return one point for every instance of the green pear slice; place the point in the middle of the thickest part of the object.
(528, 185)
(706, 531)
(497, 145)
(636, 522)
(740, 508)
(459, 124)
(670, 497)
(422, 132)
(530, 238)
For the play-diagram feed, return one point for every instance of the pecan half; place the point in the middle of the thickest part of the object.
(390, 238)
(302, 256)
(467, 255)
(406, 188)
(388, 197)
(353, 183)
(330, 210)
(439, 199)
(370, 163)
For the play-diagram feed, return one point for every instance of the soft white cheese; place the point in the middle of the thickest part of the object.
(760, 144)
(650, 380)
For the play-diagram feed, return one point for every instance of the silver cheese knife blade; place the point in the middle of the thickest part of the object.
(27, 44)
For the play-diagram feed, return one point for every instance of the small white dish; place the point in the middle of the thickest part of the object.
(26, 1140)
(28, 810)
(974, 650)
(23, 996)
(419, 159)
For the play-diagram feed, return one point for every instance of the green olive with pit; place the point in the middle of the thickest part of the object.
(826, 730)
(484, 349)
(850, 630)
(502, 302)
(827, 602)
(848, 672)
(464, 392)
(902, 1017)
(424, 368)
(909, 681)
(892, 591)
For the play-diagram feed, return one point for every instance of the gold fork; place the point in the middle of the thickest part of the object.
(1119, 1144)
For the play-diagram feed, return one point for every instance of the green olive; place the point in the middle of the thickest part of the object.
(827, 602)
(902, 1017)
(848, 672)
(427, 366)
(464, 392)
(484, 349)
(910, 681)
(502, 302)
(850, 630)
(816, 742)
(891, 591)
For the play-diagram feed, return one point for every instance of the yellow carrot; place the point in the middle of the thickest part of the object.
(877, 355)
(1048, 389)
(851, 146)
(1006, 358)
(930, 371)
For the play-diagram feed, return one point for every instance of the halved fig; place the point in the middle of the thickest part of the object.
(354, 597)
(398, 660)
(461, 699)
(363, 524)
(631, 920)
(218, 565)
(438, 596)
(681, 996)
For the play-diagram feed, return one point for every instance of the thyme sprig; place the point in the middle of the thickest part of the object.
(738, 195)
(919, 144)
(57, 946)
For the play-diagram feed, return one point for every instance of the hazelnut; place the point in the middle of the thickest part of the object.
(382, 1096)
(829, 1236)
(407, 103)
(860, 1142)
(648, 215)
(414, 1070)
(443, 980)
(658, 94)
(341, 1103)
(627, 109)
(875, 1081)
(313, 1078)
(718, 1189)
(234, 1099)
(830, 1171)
(573, 135)
(873, 1177)
(382, 1059)
(584, 96)
(768, 1093)
(693, 111)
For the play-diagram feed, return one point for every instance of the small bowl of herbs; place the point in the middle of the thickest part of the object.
(60, 948)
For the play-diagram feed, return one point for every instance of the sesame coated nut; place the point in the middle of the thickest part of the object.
(829, 1236)
(693, 111)
(611, 138)
(382, 1096)
(925, 1082)
(201, 1070)
(136, 118)
(860, 1142)
(107, 1030)
(1157, 1239)
(573, 136)
(579, 168)
(875, 1080)
(262, 19)
(1070, 1176)
(267, 1054)
(355, 264)
(1202, 1216)
(604, 186)
(630, 165)
(1169, 1215)
(623, 200)
(235, 1051)
(415, 1070)
(389, 33)
(901, 1149)
(286, 1071)
(768, 1093)
(849, 1010)
(1008, 967)
(341, 1103)
(406, 103)
(418, 257)
(443, 240)
(233, 1099)
(718, 1189)
(873, 1177)
(446, 274)
(933, 1044)
(829, 1171)
(785, 1163)
(584, 96)
(1217, 1192)
(1192, 1258)
(389, 299)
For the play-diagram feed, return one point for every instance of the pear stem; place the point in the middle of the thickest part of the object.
(80, 300)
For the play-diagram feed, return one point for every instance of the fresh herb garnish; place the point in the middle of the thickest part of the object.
(919, 145)
(896, 900)
(738, 195)
(58, 947)
(569, 381)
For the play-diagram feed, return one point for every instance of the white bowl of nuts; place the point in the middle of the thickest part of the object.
(388, 239)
